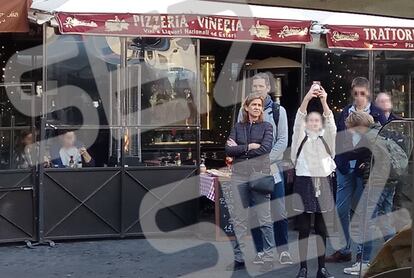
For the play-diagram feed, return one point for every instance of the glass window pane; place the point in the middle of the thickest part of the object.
(69, 148)
(336, 69)
(24, 95)
(394, 74)
(6, 146)
(166, 81)
(160, 147)
(82, 79)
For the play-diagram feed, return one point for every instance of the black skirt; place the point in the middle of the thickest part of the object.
(314, 193)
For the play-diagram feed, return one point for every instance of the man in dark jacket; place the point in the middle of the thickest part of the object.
(350, 184)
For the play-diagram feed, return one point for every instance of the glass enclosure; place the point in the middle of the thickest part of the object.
(394, 74)
(387, 200)
(19, 52)
(137, 96)
(335, 69)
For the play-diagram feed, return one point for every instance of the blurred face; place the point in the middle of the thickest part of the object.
(383, 101)
(359, 129)
(68, 139)
(314, 122)
(259, 87)
(254, 109)
(361, 96)
(28, 139)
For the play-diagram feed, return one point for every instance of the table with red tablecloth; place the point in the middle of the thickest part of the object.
(208, 184)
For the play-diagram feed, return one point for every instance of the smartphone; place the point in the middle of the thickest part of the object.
(319, 86)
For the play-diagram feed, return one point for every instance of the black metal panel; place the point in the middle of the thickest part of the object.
(138, 182)
(16, 179)
(82, 203)
(17, 216)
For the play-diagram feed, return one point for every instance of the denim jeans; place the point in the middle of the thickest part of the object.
(379, 203)
(280, 227)
(242, 198)
(349, 192)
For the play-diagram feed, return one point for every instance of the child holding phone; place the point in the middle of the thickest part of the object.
(313, 146)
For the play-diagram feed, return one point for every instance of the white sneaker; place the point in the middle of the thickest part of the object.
(285, 258)
(356, 268)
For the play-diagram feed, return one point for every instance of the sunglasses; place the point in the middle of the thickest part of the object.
(359, 93)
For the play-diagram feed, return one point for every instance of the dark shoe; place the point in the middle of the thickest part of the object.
(259, 258)
(338, 257)
(266, 267)
(323, 273)
(303, 273)
(236, 266)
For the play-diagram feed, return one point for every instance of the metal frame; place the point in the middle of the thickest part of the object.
(18, 187)
(187, 171)
(47, 178)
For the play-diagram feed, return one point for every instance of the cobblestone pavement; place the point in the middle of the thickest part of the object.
(134, 258)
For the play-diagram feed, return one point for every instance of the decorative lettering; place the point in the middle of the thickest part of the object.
(72, 22)
(292, 31)
(344, 36)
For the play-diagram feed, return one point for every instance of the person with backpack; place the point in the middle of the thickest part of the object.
(378, 159)
(312, 153)
(275, 114)
(349, 184)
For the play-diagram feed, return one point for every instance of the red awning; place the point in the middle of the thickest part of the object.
(187, 25)
(365, 37)
(13, 16)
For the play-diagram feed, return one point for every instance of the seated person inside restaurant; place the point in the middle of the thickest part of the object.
(70, 153)
(23, 153)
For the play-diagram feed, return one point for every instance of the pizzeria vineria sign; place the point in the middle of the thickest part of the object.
(182, 25)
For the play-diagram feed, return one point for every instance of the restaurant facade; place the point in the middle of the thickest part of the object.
(151, 92)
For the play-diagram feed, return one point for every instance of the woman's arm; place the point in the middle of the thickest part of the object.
(298, 134)
(300, 121)
(266, 144)
(85, 155)
(330, 126)
(235, 150)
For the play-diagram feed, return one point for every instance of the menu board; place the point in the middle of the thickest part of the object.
(224, 206)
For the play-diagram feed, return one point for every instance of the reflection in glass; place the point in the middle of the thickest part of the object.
(168, 92)
(336, 69)
(162, 147)
(387, 201)
(394, 71)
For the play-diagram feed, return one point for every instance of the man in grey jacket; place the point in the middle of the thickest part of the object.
(261, 85)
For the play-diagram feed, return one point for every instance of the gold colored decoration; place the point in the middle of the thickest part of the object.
(207, 74)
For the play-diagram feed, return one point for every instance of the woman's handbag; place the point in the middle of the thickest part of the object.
(262, 183)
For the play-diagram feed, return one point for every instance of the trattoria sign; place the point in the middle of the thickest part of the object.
(370, 37)
(182, 25)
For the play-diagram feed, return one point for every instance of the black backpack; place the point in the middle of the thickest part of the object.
(276, 113)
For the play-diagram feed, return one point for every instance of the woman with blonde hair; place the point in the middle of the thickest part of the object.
(250, 143)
